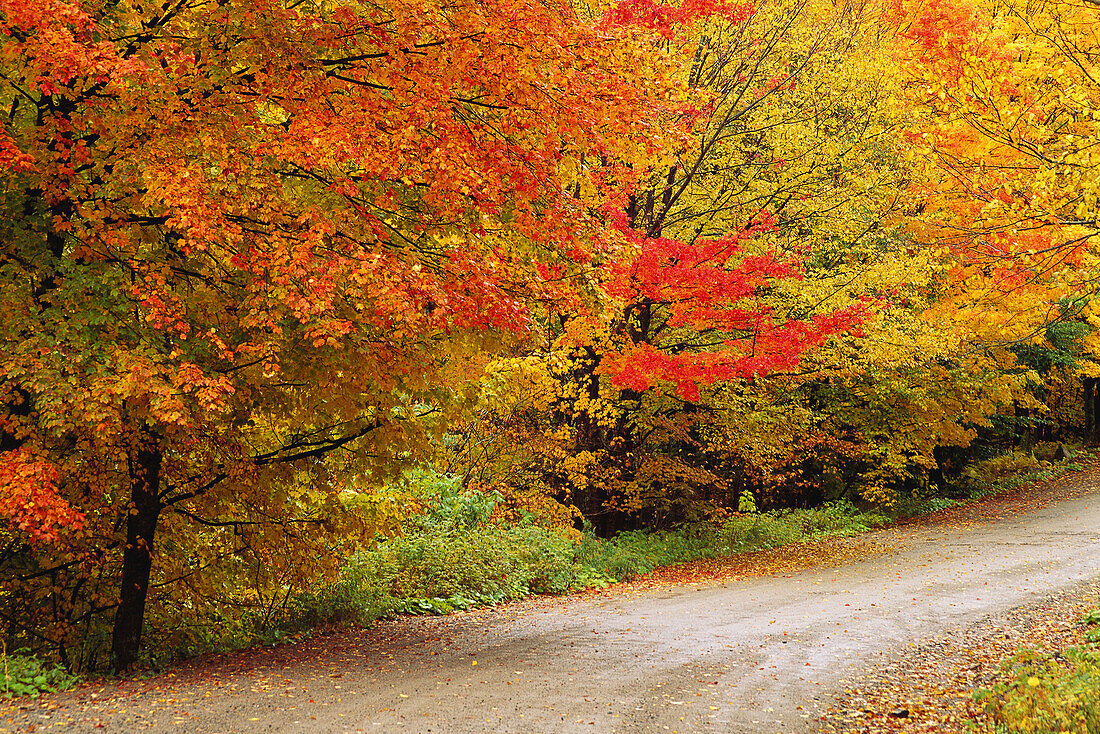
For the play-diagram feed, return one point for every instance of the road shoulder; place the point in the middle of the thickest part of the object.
(930, 687)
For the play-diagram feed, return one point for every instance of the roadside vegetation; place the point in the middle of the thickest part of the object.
(461, 553)
(1048, 692)
(465, 548)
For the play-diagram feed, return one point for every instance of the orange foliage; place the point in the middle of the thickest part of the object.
(252, 236)
(28, 497)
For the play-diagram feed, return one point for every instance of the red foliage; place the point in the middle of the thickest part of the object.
(709, 290)
(948, 33)
(666, 19)
(28, 497)
(13, 159)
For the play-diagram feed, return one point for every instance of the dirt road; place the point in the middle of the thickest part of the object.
(759, 654)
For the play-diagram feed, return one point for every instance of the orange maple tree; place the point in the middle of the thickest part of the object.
(242, 239)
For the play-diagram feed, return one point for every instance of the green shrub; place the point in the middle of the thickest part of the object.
(1005, 465)
(447, 505)
(26, 675)
(747, 503)
(1006, 471)
(839, 518)
(1048, 694)
(450, 557)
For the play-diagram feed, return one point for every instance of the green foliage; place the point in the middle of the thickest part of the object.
(1047, 693)
(839, 518)
(637, 552)
(451, 556)
(460, 553)
(1061, 345)
(26, 675)
(745, 533)
(446, 506)
(426, 573)
(756, 532)
(999, 471)
(1092, 618)
(935, 504)
(746, 503)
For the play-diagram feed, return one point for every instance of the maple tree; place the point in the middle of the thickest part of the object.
(244, 245)
(786, 152)
(873, 413)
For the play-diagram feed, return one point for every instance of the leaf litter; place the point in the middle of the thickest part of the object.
(931, 688)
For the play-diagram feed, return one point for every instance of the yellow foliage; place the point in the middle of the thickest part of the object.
(880, 494)
(515, 384)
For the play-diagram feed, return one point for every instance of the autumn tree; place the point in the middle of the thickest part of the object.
(245, 248)
(786, 151)
(999, 137)
(990, 248)
(971, 272)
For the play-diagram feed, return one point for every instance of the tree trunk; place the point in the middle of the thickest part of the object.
(137, 558)
(1088, 384)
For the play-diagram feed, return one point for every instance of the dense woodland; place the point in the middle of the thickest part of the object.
(616, 266)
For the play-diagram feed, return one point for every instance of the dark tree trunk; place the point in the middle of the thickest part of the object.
(137, 558)
(1091, 399)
